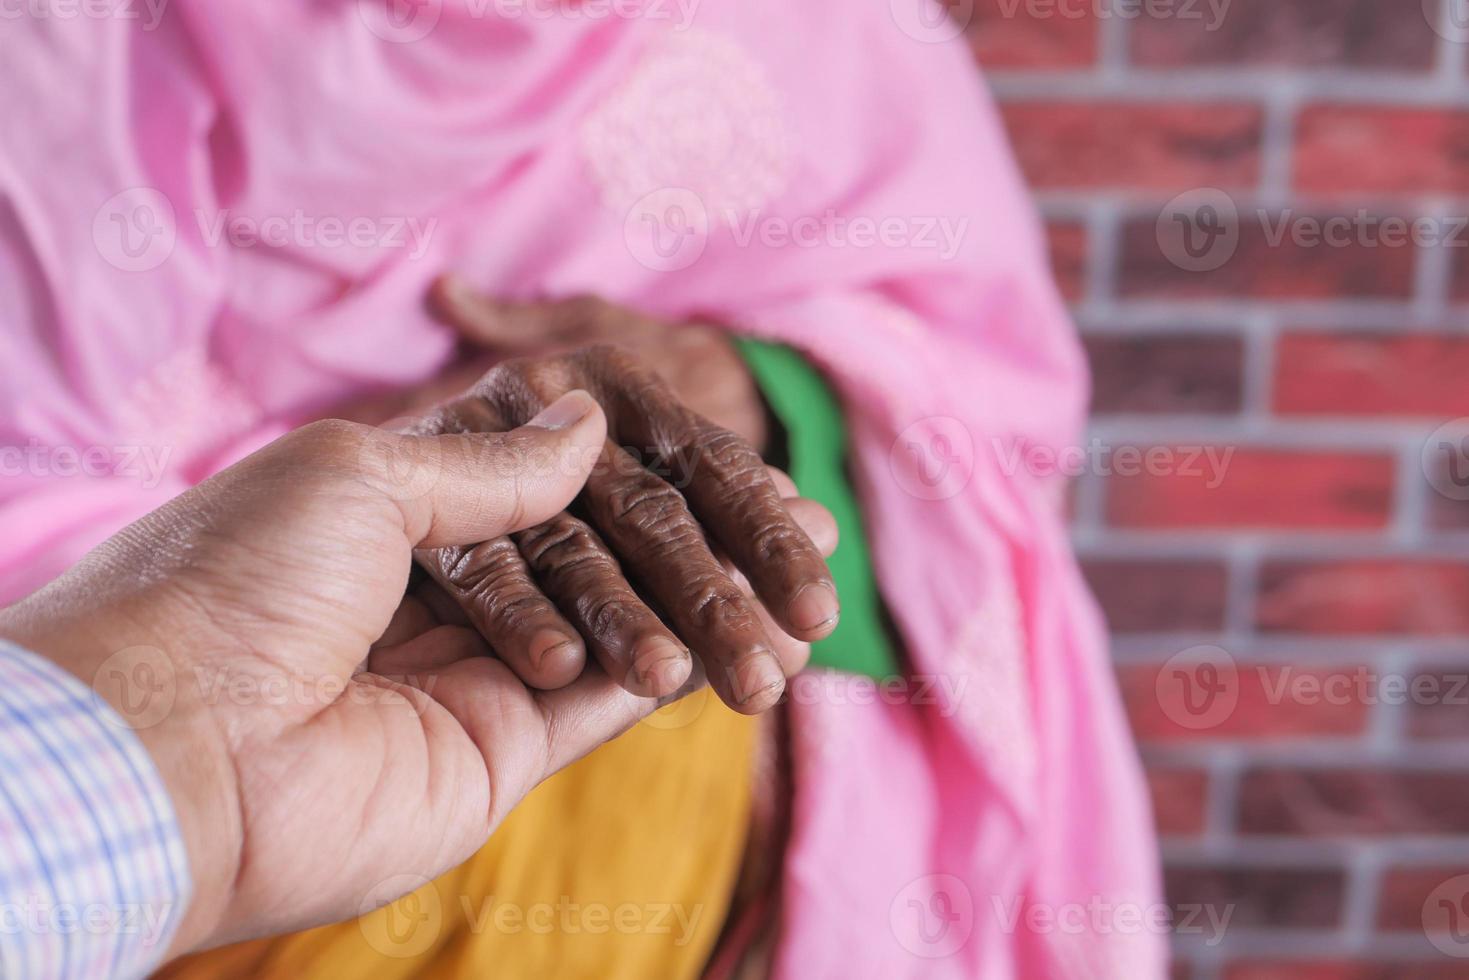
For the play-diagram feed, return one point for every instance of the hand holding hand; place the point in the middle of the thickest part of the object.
(308, 758)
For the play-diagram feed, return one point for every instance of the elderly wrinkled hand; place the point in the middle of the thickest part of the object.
(676, 511)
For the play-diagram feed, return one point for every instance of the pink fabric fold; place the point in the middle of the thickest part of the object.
(827, 174)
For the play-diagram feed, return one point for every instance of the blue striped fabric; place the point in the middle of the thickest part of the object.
(93, 872)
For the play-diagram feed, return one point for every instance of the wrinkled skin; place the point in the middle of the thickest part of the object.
(697, 360)
(641, 548)
(347, 753)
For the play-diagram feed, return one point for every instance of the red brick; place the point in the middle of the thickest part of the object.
(1437, 703)
(1069, 254)
(1404, 890)
(1341, 970)
(1270, 263)
(1179, 797)
(1372, 374)
(1168, 148)
(1261, 897)
(1255, 488)
(1305, 33)
(1153, 374)
(1459, 288)
(1344, 150)
(1353, 802)
(1159, 596)
(1027, 34)
(1272, 701)
(1409, 596)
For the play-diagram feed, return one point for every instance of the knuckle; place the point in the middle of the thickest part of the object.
(734, 458)
(649, 505)
(776, 540)
(610, 616)
(331, 439)
(483, 568)
(720, 607)
(561, 546)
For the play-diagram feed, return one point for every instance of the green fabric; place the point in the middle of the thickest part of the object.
(816, 444)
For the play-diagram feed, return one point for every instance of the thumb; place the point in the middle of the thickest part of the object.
(486, 322)
(464, 488)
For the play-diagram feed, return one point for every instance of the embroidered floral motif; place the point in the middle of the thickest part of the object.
(699, 114)
(187, 405)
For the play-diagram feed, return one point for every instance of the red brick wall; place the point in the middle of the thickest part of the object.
(1313, 599)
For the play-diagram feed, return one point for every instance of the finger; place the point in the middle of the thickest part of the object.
(792, 653)
(524, 735)
(650, 527)
(513, 326)
(816, 521)
(440, 603)
(730, 491)
(430, 651)
(575, 568)
(411, 619)
(784, 485)
(466, 487)
(491, 582)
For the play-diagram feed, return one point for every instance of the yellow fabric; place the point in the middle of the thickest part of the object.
(620, 866)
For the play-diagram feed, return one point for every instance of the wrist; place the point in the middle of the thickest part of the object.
(143, 677)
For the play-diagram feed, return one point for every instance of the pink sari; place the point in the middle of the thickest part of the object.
(215, 225)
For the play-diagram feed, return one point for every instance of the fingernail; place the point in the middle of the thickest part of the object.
(758, 680)
(551, 649)
(565, 411)
(660, 666)
(815, 608)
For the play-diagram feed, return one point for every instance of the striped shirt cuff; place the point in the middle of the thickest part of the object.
(93, 871)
